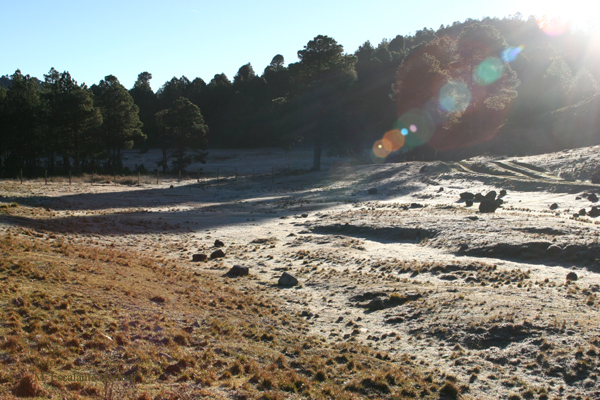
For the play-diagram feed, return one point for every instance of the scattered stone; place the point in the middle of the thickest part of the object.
(173, 369)
(376, 304)
(158, 299)
(582, 212)
(487, 206)
(502, 193)
(217, 254)
(594, 212)
(199, 257)
(416, 205)
(479, 197)
(467, 196)
(440, 189)
(572, 276)
(287, 279)
(593, 198)
(305, 215)
(219, 243)
(491, 195)
(553, 206)
(171, 187)
(372, 191)
(469, 203)
(237, 271)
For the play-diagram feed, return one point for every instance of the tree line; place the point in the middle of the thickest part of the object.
(445, 93)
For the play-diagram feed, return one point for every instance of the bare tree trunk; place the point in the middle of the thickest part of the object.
(317, 155)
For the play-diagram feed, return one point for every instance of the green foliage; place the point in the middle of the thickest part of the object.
(121, 125)
(70, 119)
(181, 128)
(322, 78)
(147, 102)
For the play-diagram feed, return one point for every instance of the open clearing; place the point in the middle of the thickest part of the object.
(393, 267)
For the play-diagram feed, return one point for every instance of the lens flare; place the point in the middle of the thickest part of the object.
(510, 54)
(488, 72)
(393, 140)
(455, 96)
(552, 26)
(380, 150)
(417, 126)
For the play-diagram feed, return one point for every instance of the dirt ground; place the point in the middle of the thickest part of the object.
(388, 255)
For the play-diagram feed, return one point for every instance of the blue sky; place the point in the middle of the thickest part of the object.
(201, 38)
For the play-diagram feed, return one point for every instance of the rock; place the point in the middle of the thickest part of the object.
(479, 197)
(491, 195)
(305, 215)
(217, 254)
(158, 299)
(173, 369)
(594, 212)
(593, 198)
(582, 212)
(572, 276)
(553, 206)
(487, 206)
(440, 190)
(502, 193)
(468, 203)
(416, 205)
(238, 270)
(199, 257)
(376, 304)
(372, 191)
(218, 243)
(287, 279)
(595, 178)
(467, 196)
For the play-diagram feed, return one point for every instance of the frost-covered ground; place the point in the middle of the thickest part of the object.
(386, 254)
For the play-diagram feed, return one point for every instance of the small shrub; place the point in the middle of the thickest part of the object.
(449, 390)
(28, 386)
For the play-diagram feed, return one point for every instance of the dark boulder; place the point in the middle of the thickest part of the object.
(238, 270)
(218, 243)
(594, 212)
(287, 279)
(199, 257)
(467, 196)
(593, 198)
(217, 254)
(572, 276)
(491, 195)
(487, 206)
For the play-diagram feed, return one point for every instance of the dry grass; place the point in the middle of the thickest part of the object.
(91, 322)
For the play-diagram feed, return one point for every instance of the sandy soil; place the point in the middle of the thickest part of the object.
(410, 269)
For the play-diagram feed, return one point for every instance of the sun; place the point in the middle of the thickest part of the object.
(556, 18)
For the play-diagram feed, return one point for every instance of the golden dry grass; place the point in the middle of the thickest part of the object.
(106, 323)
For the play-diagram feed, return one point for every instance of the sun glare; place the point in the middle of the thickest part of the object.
(555, 18)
